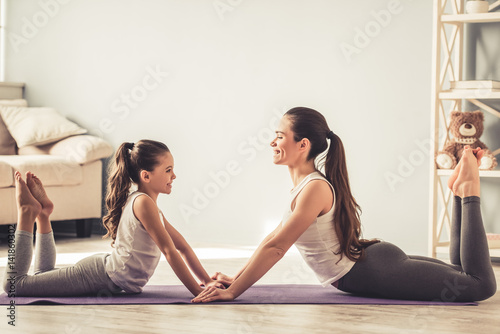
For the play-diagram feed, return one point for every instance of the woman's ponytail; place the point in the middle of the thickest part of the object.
(347, 211)
(309, 123)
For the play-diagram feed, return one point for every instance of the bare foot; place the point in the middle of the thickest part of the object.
(27, 205)
(477, 152)
(36, 187)
(467, 182)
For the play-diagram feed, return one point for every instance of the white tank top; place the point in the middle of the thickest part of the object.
(319, 245)
(135, 256)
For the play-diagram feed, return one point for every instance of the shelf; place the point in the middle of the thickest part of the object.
(482, 173)
(444, 251)
(471, 18)
(11, 90)
(443, 247)
(11, 84)
(480, 94)
(448, 55)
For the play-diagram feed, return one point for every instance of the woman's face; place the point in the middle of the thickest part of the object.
(285, 148)
(162, 176)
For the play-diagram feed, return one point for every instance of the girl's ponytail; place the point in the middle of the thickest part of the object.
(119, 182)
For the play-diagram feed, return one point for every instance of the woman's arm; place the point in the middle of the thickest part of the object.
(147, 212)
(227, 280)
(316, 197)
(187, 253)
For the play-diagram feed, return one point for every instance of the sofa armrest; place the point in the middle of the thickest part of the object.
(81, 148)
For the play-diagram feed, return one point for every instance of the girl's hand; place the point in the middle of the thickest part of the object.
(224, 279)
(214, 283)
(211, 294)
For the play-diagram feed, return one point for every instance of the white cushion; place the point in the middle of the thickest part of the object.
(14, 103)
(32, 149)
(6, 175)
(7, 143)
(52, 170)
(80, 149)
(37, 126)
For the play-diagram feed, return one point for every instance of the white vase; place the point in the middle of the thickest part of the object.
(474, 7)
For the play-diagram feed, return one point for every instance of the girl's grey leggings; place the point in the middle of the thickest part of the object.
(387, 272)
(86, 277)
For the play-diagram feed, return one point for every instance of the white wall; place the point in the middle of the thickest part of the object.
(230, 71)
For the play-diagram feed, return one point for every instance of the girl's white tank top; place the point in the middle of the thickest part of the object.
(135, 256)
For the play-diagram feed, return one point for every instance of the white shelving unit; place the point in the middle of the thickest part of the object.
(447, 65)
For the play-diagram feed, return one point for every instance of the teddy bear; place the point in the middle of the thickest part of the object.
(466, 128)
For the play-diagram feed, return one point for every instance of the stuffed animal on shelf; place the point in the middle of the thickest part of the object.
(466, 128)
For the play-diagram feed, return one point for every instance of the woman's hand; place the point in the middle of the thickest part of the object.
(212, 294)
(224, 279)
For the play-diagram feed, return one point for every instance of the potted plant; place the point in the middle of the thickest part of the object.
(477, 6)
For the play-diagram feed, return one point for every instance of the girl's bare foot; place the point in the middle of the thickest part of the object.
(38, 192)
(467, 182)
(27, 206)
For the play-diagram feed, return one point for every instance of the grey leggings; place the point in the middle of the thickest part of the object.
(87, 277)
(387, 272)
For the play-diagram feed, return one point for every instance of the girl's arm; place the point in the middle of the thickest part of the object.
(316, 197)
(147, 212)
(187, 253)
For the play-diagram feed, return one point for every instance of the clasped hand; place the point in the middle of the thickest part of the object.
(213, 283)
(216, 290)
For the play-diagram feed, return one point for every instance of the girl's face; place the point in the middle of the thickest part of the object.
(161, 178)
(285, 148)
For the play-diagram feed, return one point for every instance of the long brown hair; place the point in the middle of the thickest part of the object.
(309, 123)
(129, 160)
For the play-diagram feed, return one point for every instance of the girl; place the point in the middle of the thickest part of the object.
(323, 222)
(138, 228)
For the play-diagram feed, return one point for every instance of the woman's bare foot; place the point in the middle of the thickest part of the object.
(477, 152)
(36, 187)
(467, 182)
(27, 206)
(454, 175)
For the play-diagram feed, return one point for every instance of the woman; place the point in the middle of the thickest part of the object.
(323, 222)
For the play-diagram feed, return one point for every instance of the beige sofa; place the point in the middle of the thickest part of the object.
(70, 169)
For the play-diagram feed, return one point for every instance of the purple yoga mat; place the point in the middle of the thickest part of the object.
(257, 294)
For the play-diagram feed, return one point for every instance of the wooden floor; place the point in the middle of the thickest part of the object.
(222, 319)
